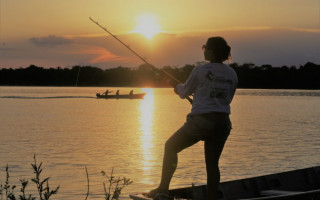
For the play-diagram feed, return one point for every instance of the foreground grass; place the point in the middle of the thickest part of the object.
(112, 186)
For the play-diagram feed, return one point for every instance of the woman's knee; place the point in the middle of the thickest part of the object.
(169, 147)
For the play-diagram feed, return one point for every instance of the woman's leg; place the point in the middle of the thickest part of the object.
(176, 143)
(213, 150)
(173, 146)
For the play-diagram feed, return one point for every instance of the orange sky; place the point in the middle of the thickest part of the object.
(59, 33)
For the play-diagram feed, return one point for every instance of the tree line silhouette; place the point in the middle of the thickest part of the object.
(250, 76)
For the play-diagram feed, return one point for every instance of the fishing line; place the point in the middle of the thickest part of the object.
(78, 76)
(135, 53)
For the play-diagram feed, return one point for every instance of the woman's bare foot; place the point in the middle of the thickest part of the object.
(153, 193)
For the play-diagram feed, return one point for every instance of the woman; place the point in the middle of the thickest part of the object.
(213, 86)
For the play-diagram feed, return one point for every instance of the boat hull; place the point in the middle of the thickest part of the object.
(303, 184)
(133, 96)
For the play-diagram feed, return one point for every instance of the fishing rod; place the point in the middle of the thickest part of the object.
(135, 53)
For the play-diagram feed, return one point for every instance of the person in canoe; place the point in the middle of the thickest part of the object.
(131, 92)
(213, 86)
(106, 92)
(117, 93)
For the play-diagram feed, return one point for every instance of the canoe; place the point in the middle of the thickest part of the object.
(121, 96)
(301, 184)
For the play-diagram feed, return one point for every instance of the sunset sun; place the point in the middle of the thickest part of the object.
(147, 25)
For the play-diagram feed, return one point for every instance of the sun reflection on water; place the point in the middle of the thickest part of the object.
(146, 122)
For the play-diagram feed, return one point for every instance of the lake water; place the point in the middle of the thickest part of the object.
(68, 128)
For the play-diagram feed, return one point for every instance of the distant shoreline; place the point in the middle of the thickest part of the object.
(250, 76)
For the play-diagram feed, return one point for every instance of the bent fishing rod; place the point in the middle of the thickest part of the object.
(135, 53)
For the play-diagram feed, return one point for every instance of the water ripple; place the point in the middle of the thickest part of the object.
(49, 97)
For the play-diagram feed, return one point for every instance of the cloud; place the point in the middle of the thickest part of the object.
(273, 46)
(6, 49)
(50, 41)
(104, 56)
(95, 54)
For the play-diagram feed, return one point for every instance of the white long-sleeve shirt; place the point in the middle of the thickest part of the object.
(213, 86)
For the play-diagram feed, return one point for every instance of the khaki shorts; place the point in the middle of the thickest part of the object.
(215, 126)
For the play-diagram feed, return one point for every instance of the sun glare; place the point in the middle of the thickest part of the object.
(146, 120)
(147, 25)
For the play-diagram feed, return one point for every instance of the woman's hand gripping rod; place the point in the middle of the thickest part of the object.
(135, 53)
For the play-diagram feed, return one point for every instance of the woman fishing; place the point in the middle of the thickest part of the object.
(213, 86)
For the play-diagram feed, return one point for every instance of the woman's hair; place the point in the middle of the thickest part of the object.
(219, 47)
